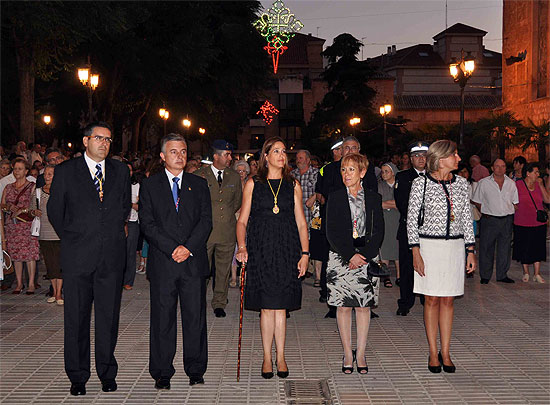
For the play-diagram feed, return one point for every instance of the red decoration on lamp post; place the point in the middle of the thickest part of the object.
(268, 111)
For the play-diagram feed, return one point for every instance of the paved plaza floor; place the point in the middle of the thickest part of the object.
(501, 347)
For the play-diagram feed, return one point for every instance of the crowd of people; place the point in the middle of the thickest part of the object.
(191, 224)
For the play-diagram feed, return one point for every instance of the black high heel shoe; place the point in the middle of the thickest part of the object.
(447, 369)
(267, 375)
(282, 374)
(360, 370)
(346, 369)
(434, 369)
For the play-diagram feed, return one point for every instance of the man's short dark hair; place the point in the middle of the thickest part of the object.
(51, 150)
(171, 137)
(101, 124)
(520, 159)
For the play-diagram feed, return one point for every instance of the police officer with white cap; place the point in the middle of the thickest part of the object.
(403, 182)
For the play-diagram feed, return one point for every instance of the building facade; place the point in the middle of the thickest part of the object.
(424, 91)
(297, 88)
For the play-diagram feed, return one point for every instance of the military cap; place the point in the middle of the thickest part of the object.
(220, 144)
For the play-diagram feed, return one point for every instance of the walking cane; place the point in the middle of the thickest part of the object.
(243, 267)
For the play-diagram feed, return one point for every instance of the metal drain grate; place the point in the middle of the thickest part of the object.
(307, 392)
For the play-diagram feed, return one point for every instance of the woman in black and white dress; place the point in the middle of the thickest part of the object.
(355, 230)
(439, 228)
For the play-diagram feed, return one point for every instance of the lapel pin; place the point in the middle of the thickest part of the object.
(189, 188)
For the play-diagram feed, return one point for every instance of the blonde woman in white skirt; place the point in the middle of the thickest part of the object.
(439, 228)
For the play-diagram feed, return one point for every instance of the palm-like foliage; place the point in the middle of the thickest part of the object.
(535, 136)
(499, 131)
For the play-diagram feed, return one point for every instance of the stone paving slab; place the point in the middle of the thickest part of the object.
(501, 347)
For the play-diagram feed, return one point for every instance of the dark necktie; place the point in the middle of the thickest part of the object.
(98, 178)
(421, 174)
(98, 181)
(175, 192)
(220, 178)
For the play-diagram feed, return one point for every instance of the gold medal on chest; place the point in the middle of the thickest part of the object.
(355, 234)
(275, 209)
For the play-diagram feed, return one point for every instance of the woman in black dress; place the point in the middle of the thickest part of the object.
(272, 239)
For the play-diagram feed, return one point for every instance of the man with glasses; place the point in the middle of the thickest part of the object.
(403, 183)
(88, 208)
(53, 156)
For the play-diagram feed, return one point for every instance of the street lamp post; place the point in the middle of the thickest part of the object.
(353, 122)
(164, 114)
(187, 124)
(384, 111)
(91, 81)
(461, 71)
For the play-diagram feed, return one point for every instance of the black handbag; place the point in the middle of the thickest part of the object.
(377, 269)
(542, 216)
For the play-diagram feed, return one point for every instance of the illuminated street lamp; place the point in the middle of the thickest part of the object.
(186, 123)
(202, 131)
(384, 111)
(47, 119)
(354, 121)
(164, 114)
(90, 81)
(461, 71)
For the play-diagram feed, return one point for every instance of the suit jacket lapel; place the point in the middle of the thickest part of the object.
(166, 191)
(185, 196)
(109, 179)
(87, 182)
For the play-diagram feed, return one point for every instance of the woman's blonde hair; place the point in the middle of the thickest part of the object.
(356, 159)
(439, 150)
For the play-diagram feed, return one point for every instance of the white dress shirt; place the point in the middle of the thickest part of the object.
(493, 200)
(215, 171)
(92, 166)
(171, 176)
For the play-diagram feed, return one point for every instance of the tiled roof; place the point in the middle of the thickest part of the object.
(460, 28)
(446, 102)
(381, 75)
(425, 56)
(416, 55)
(296, 54)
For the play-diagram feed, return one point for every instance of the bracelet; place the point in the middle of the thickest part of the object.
(242, 247)
(305, 253)
(471, 251)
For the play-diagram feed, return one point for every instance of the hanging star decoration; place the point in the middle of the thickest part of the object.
(277, 25)
(269, 112)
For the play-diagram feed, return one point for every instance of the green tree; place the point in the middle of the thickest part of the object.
(535, 136)
(497, 131)
(348, 95)
(43, 35)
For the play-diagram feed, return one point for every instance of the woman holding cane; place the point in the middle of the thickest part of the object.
(272, 239)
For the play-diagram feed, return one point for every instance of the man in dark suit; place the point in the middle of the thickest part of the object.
(88, 207)
(175, 215)
(403, 183)
(329, 180)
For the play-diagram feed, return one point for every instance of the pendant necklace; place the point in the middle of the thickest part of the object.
(452, 214)
(355, 230)
(275, 206)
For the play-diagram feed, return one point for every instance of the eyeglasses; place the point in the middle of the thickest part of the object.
(100, 138)
(418, 155)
